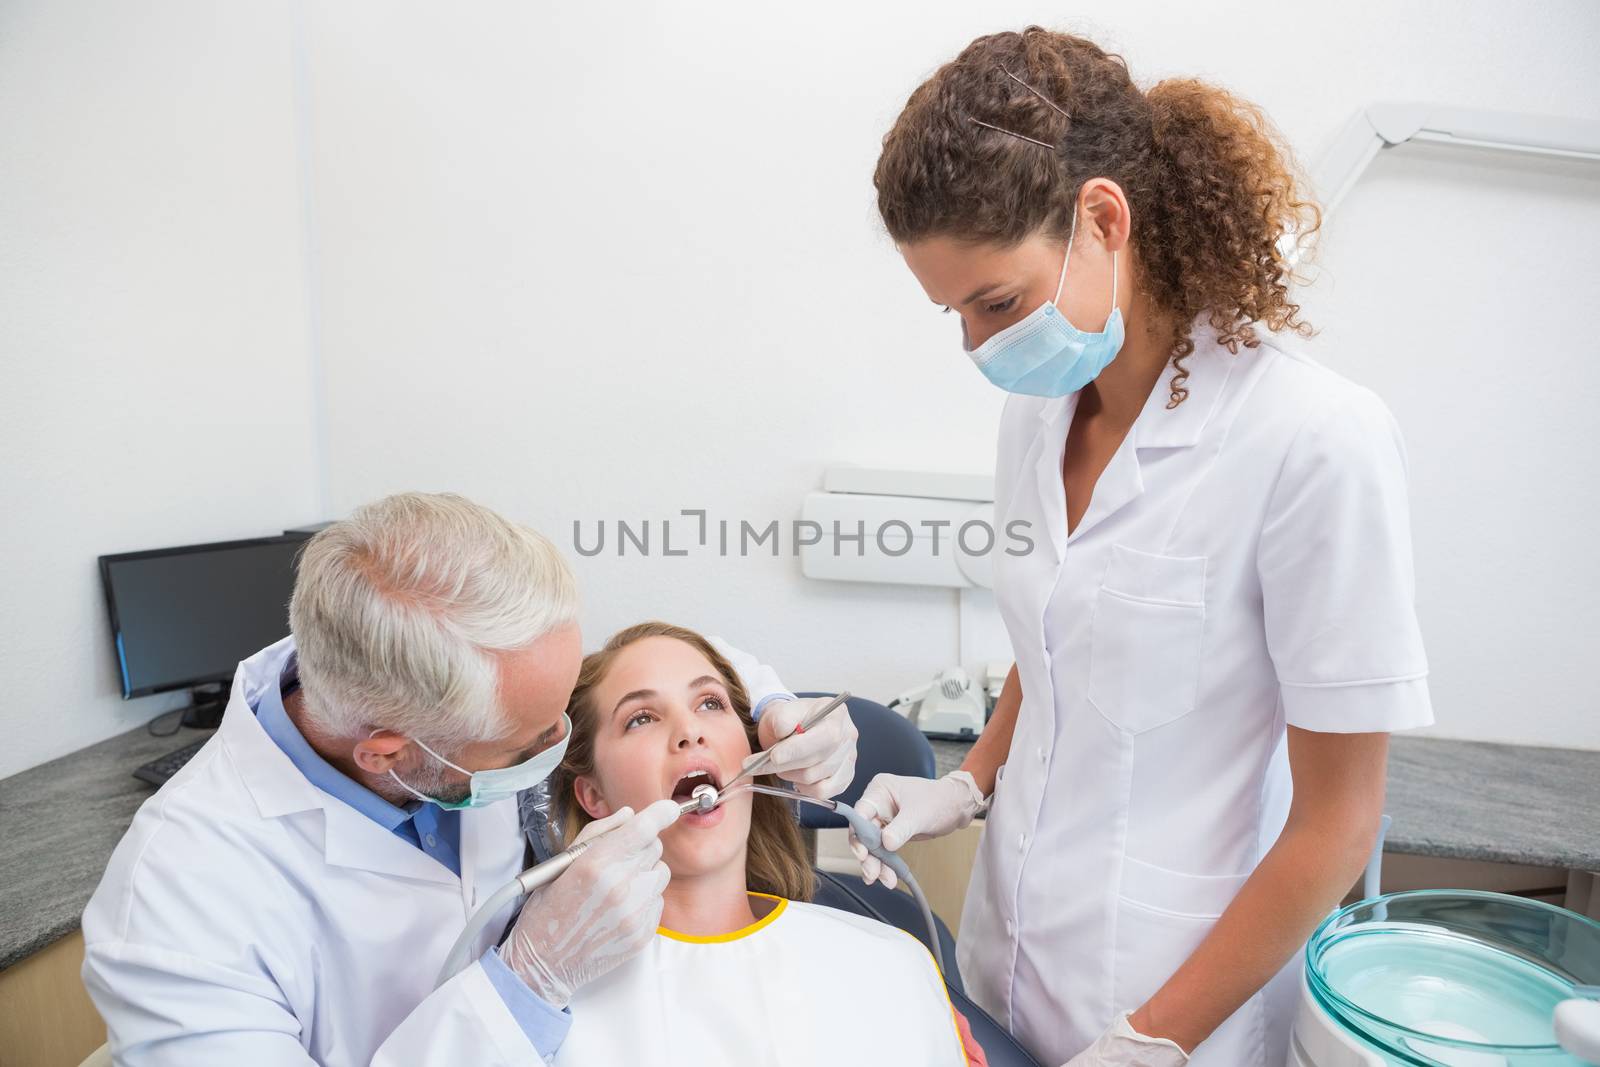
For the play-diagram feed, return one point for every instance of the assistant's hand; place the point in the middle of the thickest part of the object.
(820, 762)
(599, 912)
(1123, 1046)
(911, 809)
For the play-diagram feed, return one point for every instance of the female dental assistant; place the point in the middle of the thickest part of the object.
(1218, 603)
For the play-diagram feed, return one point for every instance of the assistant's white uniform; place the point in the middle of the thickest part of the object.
(248, 917)
(1245, 562)
(771, 995)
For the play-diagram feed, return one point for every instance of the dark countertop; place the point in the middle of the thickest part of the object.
(59, 822)
(1501, 803)
(1457, 799)
(1471, 800)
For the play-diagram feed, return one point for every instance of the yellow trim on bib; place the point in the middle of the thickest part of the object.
(735, 935)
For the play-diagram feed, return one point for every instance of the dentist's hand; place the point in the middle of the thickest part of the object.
(910, 809)
(1123, 1046)
(820, 762)
(599, 912)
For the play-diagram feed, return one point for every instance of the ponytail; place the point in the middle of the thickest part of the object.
(1229, 193)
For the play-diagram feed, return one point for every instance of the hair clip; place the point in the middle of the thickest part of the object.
(1013, 133)
(1037, 93)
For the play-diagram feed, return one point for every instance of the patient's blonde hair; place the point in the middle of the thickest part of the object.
(775, 857)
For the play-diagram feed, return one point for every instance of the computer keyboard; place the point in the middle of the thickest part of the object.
(158, 770)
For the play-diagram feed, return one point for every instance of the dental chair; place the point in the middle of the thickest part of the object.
(889, 743)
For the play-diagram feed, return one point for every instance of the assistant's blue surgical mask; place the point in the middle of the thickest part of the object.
(1044, 354)
(489, 787)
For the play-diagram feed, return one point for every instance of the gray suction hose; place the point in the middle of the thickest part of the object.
(514, 890)
(871, 835)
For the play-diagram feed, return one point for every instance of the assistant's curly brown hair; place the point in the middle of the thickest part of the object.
(1211, 187)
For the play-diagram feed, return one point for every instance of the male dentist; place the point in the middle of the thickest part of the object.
(289, 896)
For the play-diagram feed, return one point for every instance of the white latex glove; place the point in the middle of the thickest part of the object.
(1123, 1046)
(820, 762)
(911, 809)
(599, 912)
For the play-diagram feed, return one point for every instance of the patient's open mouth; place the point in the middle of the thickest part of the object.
(685, 787)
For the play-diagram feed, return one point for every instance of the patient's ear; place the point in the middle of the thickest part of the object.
(589, 797)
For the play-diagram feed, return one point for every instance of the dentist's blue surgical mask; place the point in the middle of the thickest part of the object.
(1044, 354)
(489, 787)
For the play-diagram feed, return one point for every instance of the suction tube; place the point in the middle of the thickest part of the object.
(870, 835)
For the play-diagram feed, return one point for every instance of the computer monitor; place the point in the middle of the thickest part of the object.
(184, 617)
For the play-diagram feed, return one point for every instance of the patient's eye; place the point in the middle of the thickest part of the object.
(639, 719)
(713, 703)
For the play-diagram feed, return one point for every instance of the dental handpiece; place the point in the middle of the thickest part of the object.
(704, 798)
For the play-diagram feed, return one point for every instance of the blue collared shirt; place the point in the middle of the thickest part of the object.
(430, 828)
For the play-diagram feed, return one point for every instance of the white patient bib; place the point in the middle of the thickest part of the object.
(804, 985)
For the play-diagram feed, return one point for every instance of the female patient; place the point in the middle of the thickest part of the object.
(743, 971)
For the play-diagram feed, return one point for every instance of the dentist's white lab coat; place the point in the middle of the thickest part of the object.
(1244, 563)
(248, 918)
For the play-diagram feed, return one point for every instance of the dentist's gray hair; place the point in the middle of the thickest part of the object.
(398, 609)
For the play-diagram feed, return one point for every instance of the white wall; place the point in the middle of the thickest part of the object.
(153, 337)
(612, 261)
(588, 263)
(1485, 276)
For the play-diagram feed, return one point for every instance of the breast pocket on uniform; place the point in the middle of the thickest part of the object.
(1144, 655)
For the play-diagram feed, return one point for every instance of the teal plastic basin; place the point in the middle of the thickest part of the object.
(1452, 977)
